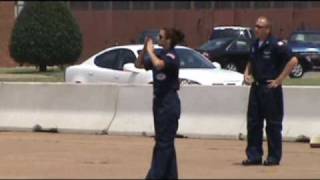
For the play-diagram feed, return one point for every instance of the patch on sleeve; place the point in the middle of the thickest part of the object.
(172, 56)
(280, 43)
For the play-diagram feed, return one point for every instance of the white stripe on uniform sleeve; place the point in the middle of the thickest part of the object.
(172, 56)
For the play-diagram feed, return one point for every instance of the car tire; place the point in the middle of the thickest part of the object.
(231, 66)
(297, 71)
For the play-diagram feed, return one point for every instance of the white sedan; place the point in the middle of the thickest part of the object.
(115, 65)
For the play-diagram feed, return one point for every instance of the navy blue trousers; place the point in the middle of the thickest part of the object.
(264, 103)
(166, 112)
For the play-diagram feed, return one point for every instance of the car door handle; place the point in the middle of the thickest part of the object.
(90, 73)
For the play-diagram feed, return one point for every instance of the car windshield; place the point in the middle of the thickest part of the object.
(189, 59)
(219, 33)
(215, 44)
(306, 38)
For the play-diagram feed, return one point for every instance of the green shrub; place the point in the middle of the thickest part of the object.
(46, 34)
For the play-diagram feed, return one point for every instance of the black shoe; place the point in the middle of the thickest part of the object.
(270, 162)
(249, 162)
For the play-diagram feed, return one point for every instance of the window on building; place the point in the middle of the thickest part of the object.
(262, 4)
(202, 4)
(315, 4)
(223, 4)
(120, 5)
(79, 5)
(242, 4)
(300, 4)
(141, 5)
(182, 4)
(18, 7)
(100, 5)
(279, 4)
(162, 5)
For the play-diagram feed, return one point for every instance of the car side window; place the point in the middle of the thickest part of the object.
(188, 59)
(125, 56)
(243, 46)
(107, 59)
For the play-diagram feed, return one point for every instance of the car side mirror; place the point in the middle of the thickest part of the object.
(131, 68)
(217, 65)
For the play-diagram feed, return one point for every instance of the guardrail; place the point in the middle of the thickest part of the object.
(207, 112)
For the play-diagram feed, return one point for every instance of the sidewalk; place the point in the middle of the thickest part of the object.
(80, 156)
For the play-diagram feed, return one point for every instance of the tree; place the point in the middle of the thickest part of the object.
(46, 34)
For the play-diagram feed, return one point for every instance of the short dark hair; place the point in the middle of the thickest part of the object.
(175, 35)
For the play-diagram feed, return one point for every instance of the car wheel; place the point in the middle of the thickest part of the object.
(231, 66)
(297, 71)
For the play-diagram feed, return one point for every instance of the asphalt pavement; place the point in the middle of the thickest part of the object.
(83, 156)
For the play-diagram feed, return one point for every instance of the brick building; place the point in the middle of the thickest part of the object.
(106, 23)
(7, 19)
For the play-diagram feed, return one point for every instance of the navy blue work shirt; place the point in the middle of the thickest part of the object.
(269, 60)
(167, 79)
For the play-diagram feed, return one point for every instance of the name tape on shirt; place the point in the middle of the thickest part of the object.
(171, 55)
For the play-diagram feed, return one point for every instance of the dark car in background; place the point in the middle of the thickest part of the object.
(232, 53)
(306, 46)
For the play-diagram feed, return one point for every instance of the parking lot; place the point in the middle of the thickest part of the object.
(81, 156)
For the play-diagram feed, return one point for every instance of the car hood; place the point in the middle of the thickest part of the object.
(217, 49)
(212, 76)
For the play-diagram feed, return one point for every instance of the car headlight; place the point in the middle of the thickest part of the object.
(188, 82)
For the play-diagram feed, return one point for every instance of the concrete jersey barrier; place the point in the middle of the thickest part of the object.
(302, 112)
(134, 111)
(213, 112)
(207, 112)
(64, 107)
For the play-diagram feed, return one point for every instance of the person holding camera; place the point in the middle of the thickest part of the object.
(166, 103)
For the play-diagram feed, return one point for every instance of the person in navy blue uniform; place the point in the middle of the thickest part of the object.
(166, 103)
(270, 63)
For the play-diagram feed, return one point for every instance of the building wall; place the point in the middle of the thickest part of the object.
(6, 24)
(105, 28)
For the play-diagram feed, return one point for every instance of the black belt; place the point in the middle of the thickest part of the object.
(257, 83)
